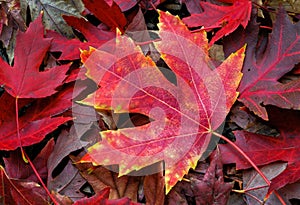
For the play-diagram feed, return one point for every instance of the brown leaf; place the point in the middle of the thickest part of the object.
(100, 178)
(154, 189)
(63, 200)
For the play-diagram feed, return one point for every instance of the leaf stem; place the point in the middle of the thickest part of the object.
(25, 156)
(279, 197)
(18, 130)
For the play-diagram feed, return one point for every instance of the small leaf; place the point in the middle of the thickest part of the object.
(228, 18)
(101, 178)
(110, 15)
(212, 189)
(70, 48)
(18, 169)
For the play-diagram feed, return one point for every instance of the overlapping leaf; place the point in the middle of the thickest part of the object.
(265, 150)
(212, 189)
(184, 116)
(110, 15)
(16, 168)
(102, 178)
(228, 18)
(70, 48)
(264, 67)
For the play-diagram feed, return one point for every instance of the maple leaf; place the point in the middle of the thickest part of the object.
(37, 120)
(109, 15)
(264, 66)
(226, 17)
(183, 115)
(70, 47)
(67, 183)
(255, 186)
(264, 149)
(212, 189)
(24, 80)
(13, 191)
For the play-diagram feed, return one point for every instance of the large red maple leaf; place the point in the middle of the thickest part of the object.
(23, 79)
(264, 149)
(228, 18)
(265, 66)
(184, 115)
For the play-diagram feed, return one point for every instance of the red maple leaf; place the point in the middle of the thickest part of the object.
(70, 47)
(184, 115)
(265, 149)
(24, 80)
(228, 18)
(265, 66)
(36, 122)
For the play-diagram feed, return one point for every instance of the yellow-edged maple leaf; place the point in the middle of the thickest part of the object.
(183, 115)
